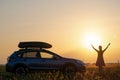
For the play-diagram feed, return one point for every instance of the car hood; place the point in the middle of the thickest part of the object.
(71, 59)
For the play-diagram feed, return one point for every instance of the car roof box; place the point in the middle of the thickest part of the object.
(34, 44)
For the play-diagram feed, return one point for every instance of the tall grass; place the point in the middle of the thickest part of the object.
(109, 73)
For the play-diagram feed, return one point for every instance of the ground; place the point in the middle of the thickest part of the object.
(111, 72)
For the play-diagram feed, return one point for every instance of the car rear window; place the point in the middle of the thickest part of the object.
(30, 55)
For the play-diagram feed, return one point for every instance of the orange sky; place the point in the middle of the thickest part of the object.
(63, 23)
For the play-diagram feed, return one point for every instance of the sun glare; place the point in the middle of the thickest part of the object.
(91, 39)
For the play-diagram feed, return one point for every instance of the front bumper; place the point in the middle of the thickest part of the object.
(82, 69)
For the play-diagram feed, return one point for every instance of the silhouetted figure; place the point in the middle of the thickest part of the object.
(100, 59)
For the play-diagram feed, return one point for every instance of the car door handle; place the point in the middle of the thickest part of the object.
(43, 60)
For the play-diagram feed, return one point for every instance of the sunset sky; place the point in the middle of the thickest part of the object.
(69, 25)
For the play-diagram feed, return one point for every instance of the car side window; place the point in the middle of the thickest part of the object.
(46, 55)
(31, 55)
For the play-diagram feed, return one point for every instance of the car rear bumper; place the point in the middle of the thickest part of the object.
(9, 68)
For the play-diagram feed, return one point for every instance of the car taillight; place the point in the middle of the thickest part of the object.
(9, 59)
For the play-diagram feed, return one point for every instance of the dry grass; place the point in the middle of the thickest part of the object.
(111, 72)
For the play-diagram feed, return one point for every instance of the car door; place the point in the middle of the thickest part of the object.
(48, 61)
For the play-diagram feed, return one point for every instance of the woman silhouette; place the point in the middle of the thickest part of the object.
(100, 59)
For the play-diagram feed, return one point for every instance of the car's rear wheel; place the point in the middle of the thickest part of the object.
(20, 70)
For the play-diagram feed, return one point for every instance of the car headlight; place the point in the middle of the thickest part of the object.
(80, 62)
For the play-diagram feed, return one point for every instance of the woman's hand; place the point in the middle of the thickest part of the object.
(109, 44)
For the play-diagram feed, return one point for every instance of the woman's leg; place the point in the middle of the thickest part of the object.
(100, 69)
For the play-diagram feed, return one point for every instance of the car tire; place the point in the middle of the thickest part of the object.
(20, 70)
(69, 68)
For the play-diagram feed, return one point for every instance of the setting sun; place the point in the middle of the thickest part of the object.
(91, 39)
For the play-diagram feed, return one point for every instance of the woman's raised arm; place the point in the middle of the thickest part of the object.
(94, 48)
(106, 47)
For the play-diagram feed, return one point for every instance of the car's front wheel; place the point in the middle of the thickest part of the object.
(69, 68)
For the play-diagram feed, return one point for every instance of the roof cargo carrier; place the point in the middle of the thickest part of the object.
(34, 44)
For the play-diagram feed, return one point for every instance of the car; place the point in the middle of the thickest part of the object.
(31, 58)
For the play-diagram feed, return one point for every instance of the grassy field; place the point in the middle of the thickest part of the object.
(111, 72)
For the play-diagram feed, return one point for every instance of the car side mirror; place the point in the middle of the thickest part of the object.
(55, 57)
